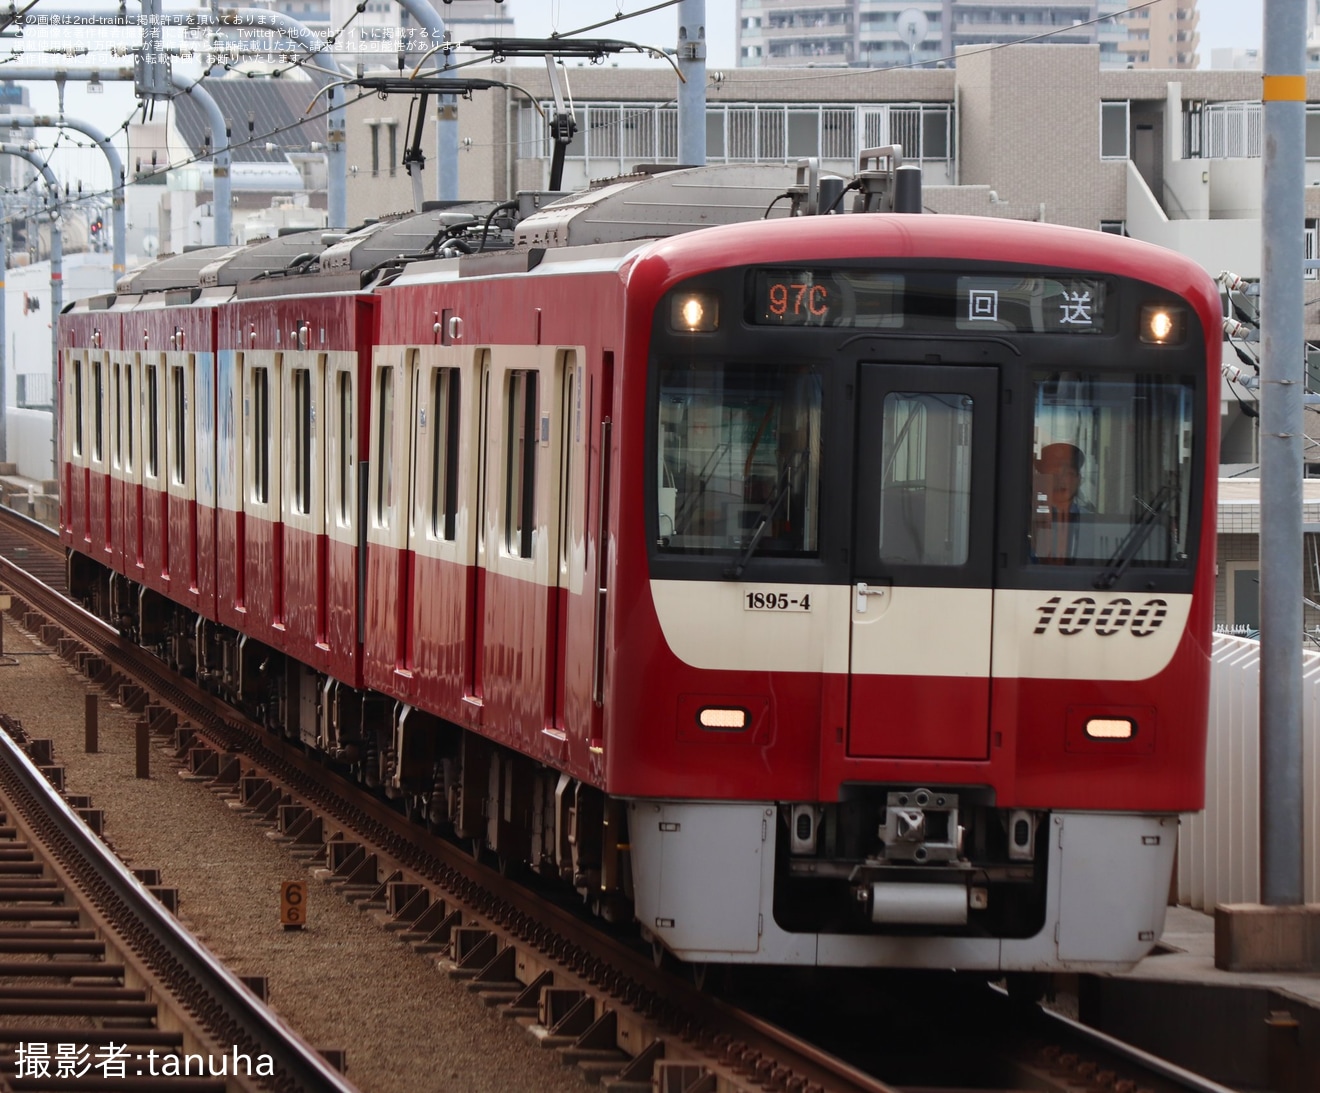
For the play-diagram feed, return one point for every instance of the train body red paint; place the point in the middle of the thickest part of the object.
(819, 590)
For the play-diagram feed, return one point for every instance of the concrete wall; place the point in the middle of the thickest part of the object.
(31, 442)
(27, 349)
(1235, 187)
(1216, 244)
(1029, 126)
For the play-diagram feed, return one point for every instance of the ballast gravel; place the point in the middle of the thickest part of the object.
(342, 982)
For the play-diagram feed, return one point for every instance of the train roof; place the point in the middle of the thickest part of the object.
(402, 237)
(658, 205)
(209, 267)
(170, 272)
(285, 253)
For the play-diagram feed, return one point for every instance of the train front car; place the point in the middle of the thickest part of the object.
(916, 557)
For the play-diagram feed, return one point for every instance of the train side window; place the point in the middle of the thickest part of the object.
(117, 386)
(98, 430)
(302, 440)
(179, 426)
(739, 446)
(126, 408)
(385, 446)
(152, 468)
(570, 434)
(77, 407)
(261, 435)
(344, 423)
(926, 495)
(520, 464)
(418, 408)
(444, 453)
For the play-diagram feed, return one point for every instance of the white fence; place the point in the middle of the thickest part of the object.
(1232, 130)
(613, 137)
(1219, 848)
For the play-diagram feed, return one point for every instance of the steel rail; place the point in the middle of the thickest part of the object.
(219, 1003)
(714, 1033)
(1182, 1078)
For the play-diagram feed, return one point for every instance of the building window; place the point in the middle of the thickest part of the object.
(1243, 599)
(1114, 227)
(375, 147)
(1311, 231)
(1113, 130)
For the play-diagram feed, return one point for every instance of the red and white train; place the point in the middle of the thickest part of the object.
(818, 589)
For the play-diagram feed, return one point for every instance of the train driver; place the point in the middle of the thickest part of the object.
(1057, 506)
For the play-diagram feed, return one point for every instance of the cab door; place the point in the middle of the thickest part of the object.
(923, 562)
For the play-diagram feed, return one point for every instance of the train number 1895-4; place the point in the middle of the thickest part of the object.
(776, 601)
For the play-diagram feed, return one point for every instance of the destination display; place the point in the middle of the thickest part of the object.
(1033, 305)
(826, 297)
(871, 299)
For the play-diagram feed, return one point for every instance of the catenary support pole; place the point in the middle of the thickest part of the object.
(446, 127)
(324, 74)
(1281, 434)
(219, 130)
(692, 88)
(325, 70)
(220, 157)
(117, 227)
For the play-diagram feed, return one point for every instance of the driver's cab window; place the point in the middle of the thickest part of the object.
(739, 459)
(1111, 470)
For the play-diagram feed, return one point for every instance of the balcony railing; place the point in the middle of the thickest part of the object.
(1226, 130)
(612, 138)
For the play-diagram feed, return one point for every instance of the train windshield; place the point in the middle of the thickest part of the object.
(739, 459)
(1111, 470)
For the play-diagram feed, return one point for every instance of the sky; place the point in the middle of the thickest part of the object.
(1223, 23)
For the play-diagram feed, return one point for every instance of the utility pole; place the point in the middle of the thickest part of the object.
(692, 86)
(1283, 387)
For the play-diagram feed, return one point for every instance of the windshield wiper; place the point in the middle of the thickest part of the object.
(763, 518)
(1136, 538)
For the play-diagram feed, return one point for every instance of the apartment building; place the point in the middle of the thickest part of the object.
(1024, 132)
(1163, 35)
(897, 33)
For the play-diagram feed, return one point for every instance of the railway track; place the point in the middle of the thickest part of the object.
(33, 547)
(103, 986)
(594, 996)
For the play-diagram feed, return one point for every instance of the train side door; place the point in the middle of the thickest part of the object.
(474, 683)
(303, 497)
(180, 484)
(923, 549)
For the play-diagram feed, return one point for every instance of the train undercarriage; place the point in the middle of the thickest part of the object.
(894, 860)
